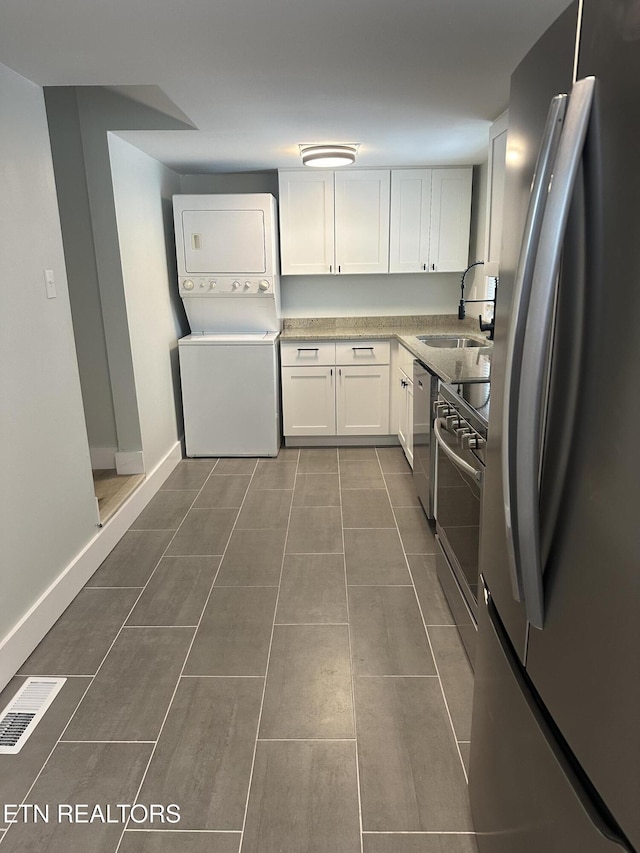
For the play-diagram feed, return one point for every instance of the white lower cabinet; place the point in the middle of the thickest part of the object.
(363, 400)
(347, 397)
(309, 400)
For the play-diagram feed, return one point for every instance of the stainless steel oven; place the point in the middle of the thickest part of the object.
(460, 433)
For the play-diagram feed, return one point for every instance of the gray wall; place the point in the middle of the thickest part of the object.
(142, 191)
(47, 506)
(84, 291)
(93, 112)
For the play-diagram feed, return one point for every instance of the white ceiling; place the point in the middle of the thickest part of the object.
(413, 81)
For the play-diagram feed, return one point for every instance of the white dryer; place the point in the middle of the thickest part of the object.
(226, 249)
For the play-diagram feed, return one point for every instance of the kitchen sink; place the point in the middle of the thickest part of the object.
(449, 341)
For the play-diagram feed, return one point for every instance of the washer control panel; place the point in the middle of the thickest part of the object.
(226, 286)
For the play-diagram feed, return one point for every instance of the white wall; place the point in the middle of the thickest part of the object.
(142, 190)
(47, 506)
(369, 295)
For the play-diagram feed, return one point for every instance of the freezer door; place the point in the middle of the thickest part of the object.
(524, 796)
(585, 663)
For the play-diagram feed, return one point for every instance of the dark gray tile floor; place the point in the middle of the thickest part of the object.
(269, 649)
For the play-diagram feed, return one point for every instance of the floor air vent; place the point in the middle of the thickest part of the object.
(23, 713)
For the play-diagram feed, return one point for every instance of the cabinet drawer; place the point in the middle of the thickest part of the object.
(310, 353)
(362, 352)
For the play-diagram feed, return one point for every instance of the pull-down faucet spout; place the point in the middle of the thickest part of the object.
(484, 327)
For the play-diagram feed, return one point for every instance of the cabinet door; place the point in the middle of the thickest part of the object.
(363, 400)
(308, 400)
(450, 219)
(362, 221)
(306, 222)
(495, 193)
(410, 220)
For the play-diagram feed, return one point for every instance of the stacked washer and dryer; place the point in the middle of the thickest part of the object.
(226, 248)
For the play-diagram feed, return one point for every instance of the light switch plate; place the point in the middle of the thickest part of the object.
(50, 284)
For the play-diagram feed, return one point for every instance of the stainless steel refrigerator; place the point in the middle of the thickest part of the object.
(555, 749)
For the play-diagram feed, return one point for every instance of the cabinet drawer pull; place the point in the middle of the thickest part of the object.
(356, 348)
(308, 349)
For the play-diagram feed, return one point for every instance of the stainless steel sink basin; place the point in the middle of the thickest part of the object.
(449, 341)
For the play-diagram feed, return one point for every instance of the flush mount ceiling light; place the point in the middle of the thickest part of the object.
(328, 156)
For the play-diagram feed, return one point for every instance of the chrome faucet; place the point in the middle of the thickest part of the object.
(484, 327)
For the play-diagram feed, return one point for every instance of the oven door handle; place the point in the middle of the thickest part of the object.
(457, 460)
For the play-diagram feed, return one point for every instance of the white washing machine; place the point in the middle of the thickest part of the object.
(230, 394)
(228, 279)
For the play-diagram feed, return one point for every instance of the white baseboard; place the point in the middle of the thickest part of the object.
(18, 644)
(103, 458)
(131, 462)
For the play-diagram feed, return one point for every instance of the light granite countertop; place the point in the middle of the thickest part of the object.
(471, 364)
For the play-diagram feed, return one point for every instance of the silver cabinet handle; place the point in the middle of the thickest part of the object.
(457, 460)
(515, 333)
(536, 348)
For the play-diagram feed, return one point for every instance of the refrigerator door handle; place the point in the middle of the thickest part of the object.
(515, 332)
(536, 348)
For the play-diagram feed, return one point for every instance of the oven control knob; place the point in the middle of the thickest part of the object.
(468, 439)
(453, 422)
(247, 285)
(212, 284)
(235, 285)
(264, 285)
(187, 284)
(463, 433)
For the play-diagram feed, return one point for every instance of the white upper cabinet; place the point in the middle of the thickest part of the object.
(362, 221)
(334, 222)
(430, 219)
(450, 219)
(306, 222)
(410, 220)
(495, 193)
(374, 221)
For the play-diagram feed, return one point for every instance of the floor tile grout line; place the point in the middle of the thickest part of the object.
(183, 831)
(306, 739)
(221, 676)
(351, 661)
(435, 662)
(418, 832)
(266, 671)
(397, 676)
(186, 657)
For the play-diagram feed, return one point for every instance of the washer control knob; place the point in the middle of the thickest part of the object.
(187, 284)
(264, 285)
(247, 285)
(202, 284)
(235, 285)
(212, 284)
